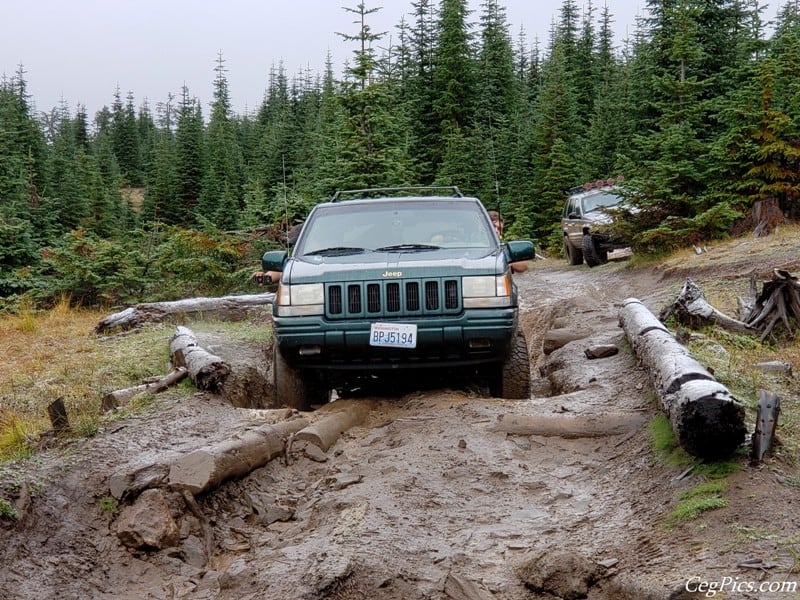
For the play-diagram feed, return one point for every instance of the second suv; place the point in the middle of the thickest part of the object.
(585, 223)
(396, 280)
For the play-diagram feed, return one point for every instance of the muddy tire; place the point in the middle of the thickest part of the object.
(513, 380)
(574, 255)
(592, 253)
(291, 388)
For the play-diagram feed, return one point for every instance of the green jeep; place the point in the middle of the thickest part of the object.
(388, 280)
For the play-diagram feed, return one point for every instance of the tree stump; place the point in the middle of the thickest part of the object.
(769, 407)
(779, 302)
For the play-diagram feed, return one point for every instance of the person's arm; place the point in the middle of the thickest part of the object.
(265, 277)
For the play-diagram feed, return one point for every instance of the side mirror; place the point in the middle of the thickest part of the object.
(274, 260)
(517, 250)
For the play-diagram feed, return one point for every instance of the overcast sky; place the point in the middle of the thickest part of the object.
(80, 51)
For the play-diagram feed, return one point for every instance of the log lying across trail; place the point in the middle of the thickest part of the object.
(228, 308)
(568, 426)
(206, 468)
(207, 371)
(334, 419)
(707, 420)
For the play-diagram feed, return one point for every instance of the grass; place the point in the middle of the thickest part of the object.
(697, 500)
(7, 510)
(108, 504)
(54, 353)
(705, 496)
(665, 444)
(732, 359)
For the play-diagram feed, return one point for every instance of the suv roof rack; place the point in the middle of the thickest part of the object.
(394, 192)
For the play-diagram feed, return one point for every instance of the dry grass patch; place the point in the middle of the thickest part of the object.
(54, 354)
(777, 250)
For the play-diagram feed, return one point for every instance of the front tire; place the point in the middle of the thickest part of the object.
(291, 389)
(513, 381)
(592, 253)
(574, 255)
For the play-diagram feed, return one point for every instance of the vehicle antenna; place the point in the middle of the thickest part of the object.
(494, 161)
(285, 202)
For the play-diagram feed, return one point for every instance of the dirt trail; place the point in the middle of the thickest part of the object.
(434, 497)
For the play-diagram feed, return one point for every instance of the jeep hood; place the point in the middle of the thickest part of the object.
(394, 265)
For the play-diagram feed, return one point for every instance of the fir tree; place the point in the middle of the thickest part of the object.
(221, 195)
(190, 160)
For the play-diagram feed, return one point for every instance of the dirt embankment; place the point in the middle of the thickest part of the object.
(440, 493)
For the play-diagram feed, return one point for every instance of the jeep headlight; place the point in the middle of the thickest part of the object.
(300, 299)
(486, 291)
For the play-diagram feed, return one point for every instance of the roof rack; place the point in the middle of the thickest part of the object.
(594, 185)
(394, 192)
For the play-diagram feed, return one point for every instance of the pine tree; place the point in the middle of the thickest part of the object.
(453, 75)
(372, 145)
(606, 128)
(190, 160)
(67, 203)
(556, 120)
(125, 139)
(675, 157)
(24, 166)
(498, 104)
(221, 195)
(276, 140)
(162, 188)
(419, 91)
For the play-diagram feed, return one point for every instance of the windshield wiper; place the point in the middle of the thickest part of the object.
(400, 247)
(336, 250)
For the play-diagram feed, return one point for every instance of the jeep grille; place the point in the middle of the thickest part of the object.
(392, 298)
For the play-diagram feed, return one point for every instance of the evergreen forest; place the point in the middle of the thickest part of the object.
(699, 111)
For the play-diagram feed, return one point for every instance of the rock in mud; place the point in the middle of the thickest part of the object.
(565, 574)
(148, 523)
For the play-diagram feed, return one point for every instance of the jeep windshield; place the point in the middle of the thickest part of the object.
(602, 200)
(388, 225)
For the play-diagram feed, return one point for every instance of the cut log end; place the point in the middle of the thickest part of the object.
(711, 427)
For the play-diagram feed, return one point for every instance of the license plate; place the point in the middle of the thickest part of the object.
(395, 335)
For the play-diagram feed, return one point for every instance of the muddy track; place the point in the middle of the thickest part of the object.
(441, 493)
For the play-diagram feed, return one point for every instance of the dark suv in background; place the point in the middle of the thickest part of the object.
(396, 280)
(586, 220)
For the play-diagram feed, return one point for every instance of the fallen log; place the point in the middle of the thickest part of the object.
(132, 481)
(558, 337)
(206, 468)
(227, 308)
(121, 397)
(707, 420)
(693, 310)
(568, 426)
(207, 371)
(343, 415)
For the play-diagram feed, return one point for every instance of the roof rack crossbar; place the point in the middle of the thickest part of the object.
(431, 190)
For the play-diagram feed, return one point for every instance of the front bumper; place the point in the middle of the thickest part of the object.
(474, 337)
